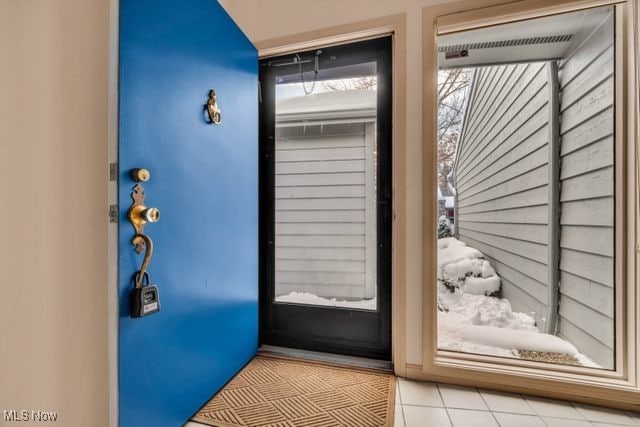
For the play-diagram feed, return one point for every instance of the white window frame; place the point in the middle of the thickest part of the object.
(619, 387)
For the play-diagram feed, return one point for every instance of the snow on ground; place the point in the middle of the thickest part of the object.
(471, 319)
(311, 299)
(468, 309)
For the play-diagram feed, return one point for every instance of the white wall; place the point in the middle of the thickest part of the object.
(263, 20)
(53, 215)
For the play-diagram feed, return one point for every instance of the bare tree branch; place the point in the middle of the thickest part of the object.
(452, 89)
(360, 83)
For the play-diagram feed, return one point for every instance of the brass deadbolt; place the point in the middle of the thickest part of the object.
(140, 175)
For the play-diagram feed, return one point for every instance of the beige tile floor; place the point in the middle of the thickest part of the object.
(424, 404)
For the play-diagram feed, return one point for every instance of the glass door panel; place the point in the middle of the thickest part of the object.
(325, 188)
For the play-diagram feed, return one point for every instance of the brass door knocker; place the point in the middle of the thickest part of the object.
(215, 114)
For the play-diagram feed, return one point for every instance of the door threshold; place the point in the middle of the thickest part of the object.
(329, 358)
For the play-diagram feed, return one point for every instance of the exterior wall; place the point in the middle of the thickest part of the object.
(53, 221)
(502, 177)
(586, 198)
(325, 210)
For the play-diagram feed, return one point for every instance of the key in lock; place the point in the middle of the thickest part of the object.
(144, 298)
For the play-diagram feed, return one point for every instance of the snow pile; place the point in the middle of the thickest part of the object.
(487, 325)
(481, 285)
(471, 319)
(463, 267)
(488, 340)
(468, 309)
(311, 299)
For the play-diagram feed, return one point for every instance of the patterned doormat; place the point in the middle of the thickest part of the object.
(275, 392)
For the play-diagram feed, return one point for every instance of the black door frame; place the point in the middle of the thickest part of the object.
(334, 330)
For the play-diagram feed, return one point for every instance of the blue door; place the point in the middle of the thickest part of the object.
(204, 182)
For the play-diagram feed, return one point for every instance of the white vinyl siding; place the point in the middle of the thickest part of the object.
(325, 210)
(587, 188)
(501, 179)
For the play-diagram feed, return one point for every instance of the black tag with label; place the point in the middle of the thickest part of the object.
(143, 299)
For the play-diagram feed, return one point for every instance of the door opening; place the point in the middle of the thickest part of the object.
(325, 199)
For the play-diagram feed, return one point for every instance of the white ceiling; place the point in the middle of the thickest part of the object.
(579, 24)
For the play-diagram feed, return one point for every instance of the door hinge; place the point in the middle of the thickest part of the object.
(113, 171)
(113, 213)
(259, 92)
